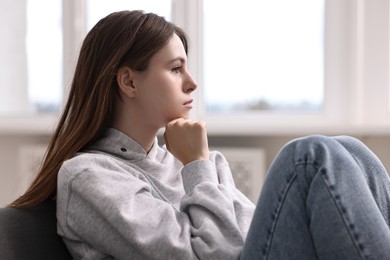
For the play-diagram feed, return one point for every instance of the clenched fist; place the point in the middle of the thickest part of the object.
(187, 140)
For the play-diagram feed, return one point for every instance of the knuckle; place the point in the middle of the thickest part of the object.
(200, 124)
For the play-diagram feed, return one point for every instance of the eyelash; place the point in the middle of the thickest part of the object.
(176, 69)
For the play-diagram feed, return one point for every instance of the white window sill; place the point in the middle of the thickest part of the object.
(28, 125)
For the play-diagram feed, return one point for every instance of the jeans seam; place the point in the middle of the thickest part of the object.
(281, 199)
(343, 213)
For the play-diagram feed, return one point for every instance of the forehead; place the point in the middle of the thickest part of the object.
(174, 49)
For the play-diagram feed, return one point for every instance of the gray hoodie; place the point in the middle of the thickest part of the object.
(115, 201)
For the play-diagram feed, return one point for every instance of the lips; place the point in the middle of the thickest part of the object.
(188, 102)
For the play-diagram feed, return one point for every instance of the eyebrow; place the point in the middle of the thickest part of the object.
(181, 59)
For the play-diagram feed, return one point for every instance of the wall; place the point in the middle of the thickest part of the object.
(10, 179)
(10, 145)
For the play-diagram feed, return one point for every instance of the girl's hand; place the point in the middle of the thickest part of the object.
(187, 140)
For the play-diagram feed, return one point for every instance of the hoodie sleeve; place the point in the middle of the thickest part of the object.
(220, 214)
(106, 211)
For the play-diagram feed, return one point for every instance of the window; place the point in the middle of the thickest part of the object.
(44, 54)
(97, 9)
(263, 55)
(31, 50)
(262, 66)
(301, 77)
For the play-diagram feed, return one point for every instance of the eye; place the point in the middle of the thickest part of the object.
(176, 69)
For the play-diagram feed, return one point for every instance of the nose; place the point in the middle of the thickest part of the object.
(190, 84)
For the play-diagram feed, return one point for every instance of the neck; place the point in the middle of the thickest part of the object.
(127, 119)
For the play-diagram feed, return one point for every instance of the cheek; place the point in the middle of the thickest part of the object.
(165, 89)
(162, 90)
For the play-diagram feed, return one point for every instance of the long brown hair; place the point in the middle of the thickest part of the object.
(127, 38)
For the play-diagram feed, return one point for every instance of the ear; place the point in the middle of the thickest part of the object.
(124, 78)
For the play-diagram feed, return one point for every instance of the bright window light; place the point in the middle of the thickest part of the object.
(263, 55)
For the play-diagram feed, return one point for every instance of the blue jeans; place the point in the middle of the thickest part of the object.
(323, 198)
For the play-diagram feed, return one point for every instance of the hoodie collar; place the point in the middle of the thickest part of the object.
(116, 143)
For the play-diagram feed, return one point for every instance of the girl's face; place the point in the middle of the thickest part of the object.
(163, 91)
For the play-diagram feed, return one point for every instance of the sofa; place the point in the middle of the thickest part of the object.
(31, 233)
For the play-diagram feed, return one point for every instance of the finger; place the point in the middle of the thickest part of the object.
(175, 121)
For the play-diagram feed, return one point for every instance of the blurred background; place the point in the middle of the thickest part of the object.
(268, 72)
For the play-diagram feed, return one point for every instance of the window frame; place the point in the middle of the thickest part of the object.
(356, 95)
(337, 74)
